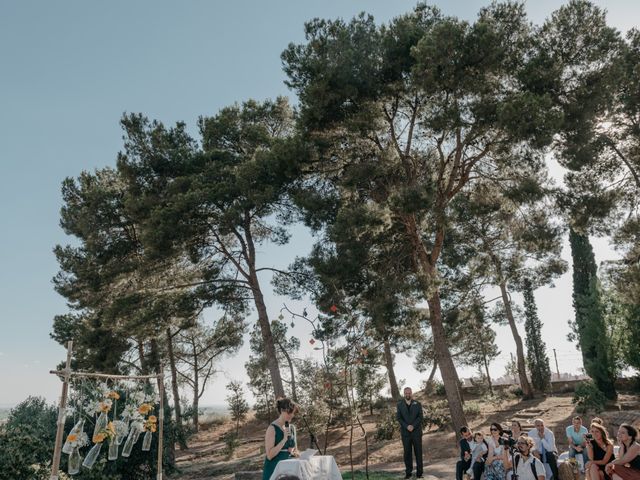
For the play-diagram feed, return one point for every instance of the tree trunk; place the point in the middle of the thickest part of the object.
(486, 368)
(292, 371)
(425, 267)
(445, 362)
(388, 358)
(527, 392)
(434, 369)
(176, 392)
(196, 391)
(267, 337)
(156, 366)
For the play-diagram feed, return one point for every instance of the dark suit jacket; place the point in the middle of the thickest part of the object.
(409, 415)
(464, 447)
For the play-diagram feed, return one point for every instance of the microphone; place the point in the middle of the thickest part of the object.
(286, 425)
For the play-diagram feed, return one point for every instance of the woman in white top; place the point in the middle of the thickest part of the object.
(498, 456)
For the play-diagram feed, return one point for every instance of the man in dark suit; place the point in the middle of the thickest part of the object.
(409, 414)
(465, 453)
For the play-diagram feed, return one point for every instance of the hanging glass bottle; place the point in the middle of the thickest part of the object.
(146, 441)
(76, 430)
(122, 427)
(101, 423)
(113, 449)
(73, 465)
(92, 456)
(132, 438)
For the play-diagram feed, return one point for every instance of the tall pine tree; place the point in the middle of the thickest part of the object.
(537, 359)
(590, 325)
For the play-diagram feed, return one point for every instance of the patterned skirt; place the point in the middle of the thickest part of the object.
(495, 471)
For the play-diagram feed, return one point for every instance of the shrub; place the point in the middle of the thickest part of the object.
(472, 409)
(231, 443)
(436, 414)
(387, 426)
(588, 397)
(438, 388)
(27, 439)
(515, 391)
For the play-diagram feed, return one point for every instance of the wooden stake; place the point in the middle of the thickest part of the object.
(57, 451)
(161, 428)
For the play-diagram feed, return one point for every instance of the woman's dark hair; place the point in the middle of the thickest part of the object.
(603, 433)
(499, 427)
(632, 432)
(517, 422)
(286, 405)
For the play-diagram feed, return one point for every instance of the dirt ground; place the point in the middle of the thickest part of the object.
(205, 458)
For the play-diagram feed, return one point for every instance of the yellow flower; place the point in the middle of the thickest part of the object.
(111, 429)
(153, 419)
(72, 437)
(99, 437)
(114, 395)
(145, 408)
(105, 407)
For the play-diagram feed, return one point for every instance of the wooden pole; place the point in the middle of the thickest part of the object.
(103, 375)
(161, 422)
(57, 451)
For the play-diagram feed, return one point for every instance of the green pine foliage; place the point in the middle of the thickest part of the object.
(537, 359)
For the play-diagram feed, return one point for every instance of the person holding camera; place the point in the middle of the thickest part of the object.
(600, 451)
(525, 465)
(279, 439)
(627, 465)
(545, 444)
(497, 458)
(576, 437)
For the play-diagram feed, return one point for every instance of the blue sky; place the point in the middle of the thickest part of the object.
(71, 69)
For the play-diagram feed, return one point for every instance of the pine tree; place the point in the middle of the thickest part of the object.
(537, 359)
(590, 325)
(238, 406)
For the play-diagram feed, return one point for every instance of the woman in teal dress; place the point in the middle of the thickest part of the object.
(279, 440)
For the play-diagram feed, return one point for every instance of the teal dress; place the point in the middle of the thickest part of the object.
(270, 465)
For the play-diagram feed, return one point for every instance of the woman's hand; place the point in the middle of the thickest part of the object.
(293, 451)
(609, 469)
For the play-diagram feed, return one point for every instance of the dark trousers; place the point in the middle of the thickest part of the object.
(461, 467)
(552, 459)
(412, 445)
(478, 468)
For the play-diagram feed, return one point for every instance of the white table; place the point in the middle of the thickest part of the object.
(318, 467)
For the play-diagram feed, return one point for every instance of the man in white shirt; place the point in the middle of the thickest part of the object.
(545, 443)
(525, 465)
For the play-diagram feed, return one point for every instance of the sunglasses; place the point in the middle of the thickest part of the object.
(493, 429)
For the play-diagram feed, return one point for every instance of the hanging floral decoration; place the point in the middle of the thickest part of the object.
(107, 433)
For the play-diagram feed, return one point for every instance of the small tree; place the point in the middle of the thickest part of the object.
(238, 406)
(537, 359)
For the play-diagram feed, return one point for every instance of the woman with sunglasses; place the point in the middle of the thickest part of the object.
(497, 458)
(280, 440)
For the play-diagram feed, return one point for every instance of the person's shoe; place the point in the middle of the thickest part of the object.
(407, 476)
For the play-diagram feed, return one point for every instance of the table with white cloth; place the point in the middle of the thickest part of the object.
(318, 467)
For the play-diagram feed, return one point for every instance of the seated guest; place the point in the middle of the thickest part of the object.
(465, 452)
(600, 451)
(479, 452)
(279, 443)
(497, 458)
(516, 429)
(576, 439)
(545, 443)
(627, 465)
(525, 465)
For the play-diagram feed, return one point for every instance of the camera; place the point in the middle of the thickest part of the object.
(588, 436)
(507, 441)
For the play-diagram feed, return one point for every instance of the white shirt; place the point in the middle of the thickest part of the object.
(548, 441)
(524, 470)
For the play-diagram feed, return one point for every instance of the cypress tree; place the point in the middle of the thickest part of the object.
(537, 359)
(590, 324)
